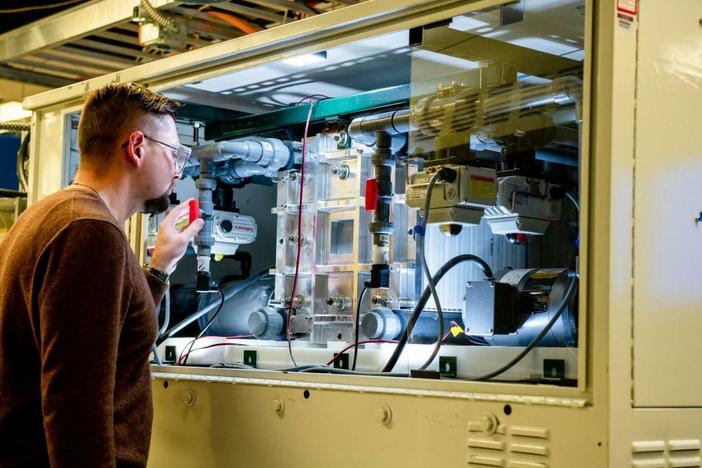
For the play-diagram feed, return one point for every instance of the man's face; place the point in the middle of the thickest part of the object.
(159, 147)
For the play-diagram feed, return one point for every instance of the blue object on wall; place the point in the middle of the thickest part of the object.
(9, 145)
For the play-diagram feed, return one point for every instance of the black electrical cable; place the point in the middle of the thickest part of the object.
(204, 329)
(333, 370)
(432, 287)
(208, 308)
(419, 307)
(12, 193)
(570, 290)
(573, 200)
(358, 325)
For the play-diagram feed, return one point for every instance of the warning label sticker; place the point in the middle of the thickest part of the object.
(627, 11)
(482, 187)
(628, 6)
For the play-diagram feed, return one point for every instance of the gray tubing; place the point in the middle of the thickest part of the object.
(209, 308)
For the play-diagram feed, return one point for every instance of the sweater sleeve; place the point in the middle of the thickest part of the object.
(157, 288)
(81, 304)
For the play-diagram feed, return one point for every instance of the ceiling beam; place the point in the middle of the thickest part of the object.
(251, 12)
(68, 25)
(285, 5)
(30, 77)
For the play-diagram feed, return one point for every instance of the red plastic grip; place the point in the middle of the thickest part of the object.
(371, 194)
(194, 209)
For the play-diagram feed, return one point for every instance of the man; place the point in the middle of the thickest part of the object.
(77, 312)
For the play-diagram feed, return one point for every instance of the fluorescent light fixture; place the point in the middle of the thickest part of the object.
(13, 110)
(306, 59)
(466, 23)
(545, 45)
(442, 59)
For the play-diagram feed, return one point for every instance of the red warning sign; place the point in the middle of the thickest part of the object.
(629, 7)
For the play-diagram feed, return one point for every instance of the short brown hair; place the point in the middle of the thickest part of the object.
(115, 109)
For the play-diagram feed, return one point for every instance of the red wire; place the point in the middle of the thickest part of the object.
(181, 356)
(322, 96)
(352, 345)
(299, 234)
(448, 331)
(212, 346)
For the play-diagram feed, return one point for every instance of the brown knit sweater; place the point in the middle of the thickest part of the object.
(77, 323)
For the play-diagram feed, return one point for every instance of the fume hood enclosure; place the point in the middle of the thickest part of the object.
(418, 230)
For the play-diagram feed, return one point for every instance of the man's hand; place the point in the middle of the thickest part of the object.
(170, 242)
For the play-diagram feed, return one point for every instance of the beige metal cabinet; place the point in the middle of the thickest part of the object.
(635, 403)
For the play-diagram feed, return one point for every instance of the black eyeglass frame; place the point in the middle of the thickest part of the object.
(180, 153)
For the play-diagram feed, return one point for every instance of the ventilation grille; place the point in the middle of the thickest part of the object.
(507, 446)
(683, 453)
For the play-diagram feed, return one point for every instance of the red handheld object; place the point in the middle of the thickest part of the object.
(371, 194)
(194, 209)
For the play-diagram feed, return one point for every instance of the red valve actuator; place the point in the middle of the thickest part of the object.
(371, 194)
(194, 209)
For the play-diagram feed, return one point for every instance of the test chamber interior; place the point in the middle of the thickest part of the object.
(472, 88)
(493, 96)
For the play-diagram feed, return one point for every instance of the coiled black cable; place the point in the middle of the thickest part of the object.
(570, 290)
(228, 294)
(419, 307)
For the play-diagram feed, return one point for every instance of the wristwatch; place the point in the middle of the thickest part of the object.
(157, 273)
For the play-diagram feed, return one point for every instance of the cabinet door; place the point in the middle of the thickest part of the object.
(667, 199)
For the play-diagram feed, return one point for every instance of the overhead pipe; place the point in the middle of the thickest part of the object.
(561, 91)
(232, 20)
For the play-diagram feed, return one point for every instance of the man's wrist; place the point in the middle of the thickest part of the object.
(160, 263)
(160, 274)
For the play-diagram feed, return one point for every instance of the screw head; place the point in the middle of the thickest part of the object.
(189, 398)
(383, 415)
(278, 406)
(489, 423)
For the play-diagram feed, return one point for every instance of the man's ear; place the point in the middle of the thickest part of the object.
(135, 148)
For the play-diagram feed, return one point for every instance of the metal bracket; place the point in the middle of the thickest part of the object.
(250, 357)
(342, 362)
(448, 366)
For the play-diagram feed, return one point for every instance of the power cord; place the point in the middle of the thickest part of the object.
(570, 290)
(419, 307)
(357, 325)
(442, 174)
(204, 329)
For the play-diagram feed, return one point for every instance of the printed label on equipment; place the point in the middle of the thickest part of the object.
(628, 6)
(482, 187)
(626, 12)
(514, 276)
(547, 273)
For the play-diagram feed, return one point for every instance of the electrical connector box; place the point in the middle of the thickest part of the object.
(461, 201)
(156, 36)
(489, 308)
(523, 206)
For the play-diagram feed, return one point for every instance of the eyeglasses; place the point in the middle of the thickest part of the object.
(180, 153)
